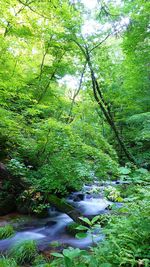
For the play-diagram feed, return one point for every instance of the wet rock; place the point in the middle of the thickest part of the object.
(78, 197)
(50, 223)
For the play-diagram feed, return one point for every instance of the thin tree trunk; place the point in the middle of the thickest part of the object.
(106, 111)
(76, 93)
(104, 106)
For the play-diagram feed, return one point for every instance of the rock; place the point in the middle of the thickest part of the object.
(78, 197)
(50, 223)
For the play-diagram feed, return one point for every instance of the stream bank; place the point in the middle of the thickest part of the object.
(90, 202)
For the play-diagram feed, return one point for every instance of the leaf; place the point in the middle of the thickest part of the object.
(86, 220)
(119, 199)
(81, 235)
(82, 227)
(72, 253)
(95, 219)
(58, 255)
(124, 170)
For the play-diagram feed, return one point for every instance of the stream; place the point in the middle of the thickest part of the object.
(90, 202)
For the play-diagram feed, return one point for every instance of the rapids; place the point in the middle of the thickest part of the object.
(90, 202)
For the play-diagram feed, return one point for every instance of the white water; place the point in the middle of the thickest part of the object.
(89, 202)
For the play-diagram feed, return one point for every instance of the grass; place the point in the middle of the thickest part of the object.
(25, 252)
(6, 231)
(5, 262)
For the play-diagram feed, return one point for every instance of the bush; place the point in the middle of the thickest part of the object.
(6, 231)
(25, 252)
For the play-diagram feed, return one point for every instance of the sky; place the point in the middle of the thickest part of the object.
(91, 26)
(89, 3)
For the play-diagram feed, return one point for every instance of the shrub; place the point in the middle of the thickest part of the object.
(6, 231)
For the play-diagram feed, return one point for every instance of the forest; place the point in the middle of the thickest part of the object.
(74, 133)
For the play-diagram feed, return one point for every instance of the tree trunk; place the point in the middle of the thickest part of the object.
(104, 106)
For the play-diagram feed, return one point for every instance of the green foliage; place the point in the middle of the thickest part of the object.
(6, 262)
(6, 231)
(54, 136)
(25, 252)
(17, 168)
(112, 194)
(126, 235)
(40, 261)
(32, 201)
(70, 257)
(124, 170)
(73, 229)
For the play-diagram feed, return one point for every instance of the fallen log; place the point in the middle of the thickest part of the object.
(62, 206)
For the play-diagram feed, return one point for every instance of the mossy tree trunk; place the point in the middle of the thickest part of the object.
(62, 206)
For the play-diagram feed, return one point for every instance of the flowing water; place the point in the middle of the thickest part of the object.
(90, 202)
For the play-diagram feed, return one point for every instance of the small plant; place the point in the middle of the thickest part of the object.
(6, 231)
(17, 168)
(25, 252)
(72, 228)
(5, 262)
(40, 261)
(112, 194)
(70, 256)
(95, 190)
(55, 244)
(90, 227)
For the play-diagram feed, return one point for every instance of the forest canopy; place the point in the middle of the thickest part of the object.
(75, 100)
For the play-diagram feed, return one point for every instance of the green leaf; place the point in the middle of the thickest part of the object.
(81, 235)
(86, 220)
(72, 253)
(58, 255)
(82, 227)
(124, 170)
(95, 219)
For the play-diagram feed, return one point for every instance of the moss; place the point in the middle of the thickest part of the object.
(6, 231)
